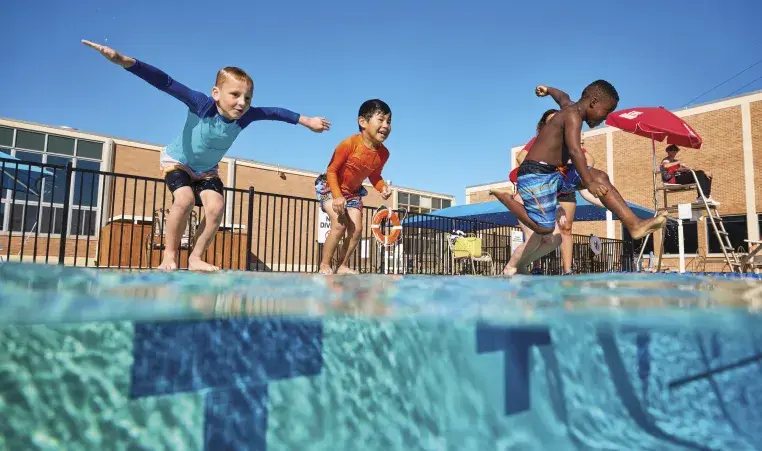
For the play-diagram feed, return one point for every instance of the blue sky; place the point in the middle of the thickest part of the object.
(459, 76)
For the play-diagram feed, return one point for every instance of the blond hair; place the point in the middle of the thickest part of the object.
(232, 72)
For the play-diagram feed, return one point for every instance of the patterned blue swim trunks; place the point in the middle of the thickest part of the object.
(539, 185)
(323, 193)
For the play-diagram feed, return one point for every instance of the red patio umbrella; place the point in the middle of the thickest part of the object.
(656, 123)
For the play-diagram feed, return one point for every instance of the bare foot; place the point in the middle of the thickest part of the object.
(196, 264)
(168, 263)
(509, 271)
(346, 270)
(326, 270)
(648, 226)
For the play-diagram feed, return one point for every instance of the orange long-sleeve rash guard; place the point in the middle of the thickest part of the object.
(352, 163)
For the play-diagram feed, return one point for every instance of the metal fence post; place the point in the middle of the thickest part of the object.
(65, 218)
(249, 232)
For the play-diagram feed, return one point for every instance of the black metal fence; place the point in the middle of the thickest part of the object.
(83, 217)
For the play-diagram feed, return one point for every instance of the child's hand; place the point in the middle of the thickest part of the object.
(597, 189)
(541, 91)
(339, 204)
(386, 193)
(316, 124)
(111, 54)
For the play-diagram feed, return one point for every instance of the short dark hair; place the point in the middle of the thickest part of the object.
(369, 108)
(601, 89)
(672, 148)
(544, 118)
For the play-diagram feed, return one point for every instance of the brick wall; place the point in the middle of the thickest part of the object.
(756, 140)
(83, 248)
(479, 197)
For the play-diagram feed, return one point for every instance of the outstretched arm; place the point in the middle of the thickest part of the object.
(560, 97)
(316, 124)
(155, 77)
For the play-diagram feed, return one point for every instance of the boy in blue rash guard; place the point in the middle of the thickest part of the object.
(189, 163)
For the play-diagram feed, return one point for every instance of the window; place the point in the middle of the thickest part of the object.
(27, 212)
(59, 144)
(416, 203)
(89, 149)
(6, 136)
(690, 238)
(30, 140)
(735, 225)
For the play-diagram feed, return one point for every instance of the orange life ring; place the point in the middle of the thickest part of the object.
(378, 218)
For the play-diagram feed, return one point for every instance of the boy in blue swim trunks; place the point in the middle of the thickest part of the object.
(189, 163)
(544, 172)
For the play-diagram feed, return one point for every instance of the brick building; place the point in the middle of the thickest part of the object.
(98, 200)
(732, 151)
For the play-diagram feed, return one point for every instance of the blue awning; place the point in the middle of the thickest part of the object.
(463, 217)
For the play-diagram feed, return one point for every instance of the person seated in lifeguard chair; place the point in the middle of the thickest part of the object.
(675, 172)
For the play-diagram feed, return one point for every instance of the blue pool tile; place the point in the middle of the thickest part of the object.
(516, 342)
(174, 357)
(234, 359)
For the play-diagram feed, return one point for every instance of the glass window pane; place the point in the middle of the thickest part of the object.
(55, 186)
(83, 222)
(30, 140)
(6, 136)
(436, 204)
(18, 218)
(690, 233)
(58, 220)
(3, 152)
(89, 149)
(45, 220)
(29, 156)
(23, 179)
(59, 144)
(77, 217)
(403, 198)
(446, 203)
(736, 228)
(53, 225)
(86, 183)
(89, 225)
(415, 199)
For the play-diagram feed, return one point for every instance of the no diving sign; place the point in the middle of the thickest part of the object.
(324, 226)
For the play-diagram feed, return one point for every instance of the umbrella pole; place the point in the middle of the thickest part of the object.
(655, 200)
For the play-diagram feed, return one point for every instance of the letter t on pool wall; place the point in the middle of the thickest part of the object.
(516, 342)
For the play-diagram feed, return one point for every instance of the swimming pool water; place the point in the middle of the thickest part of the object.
(93, 359)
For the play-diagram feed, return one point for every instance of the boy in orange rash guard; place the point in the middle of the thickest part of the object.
(340, 189)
